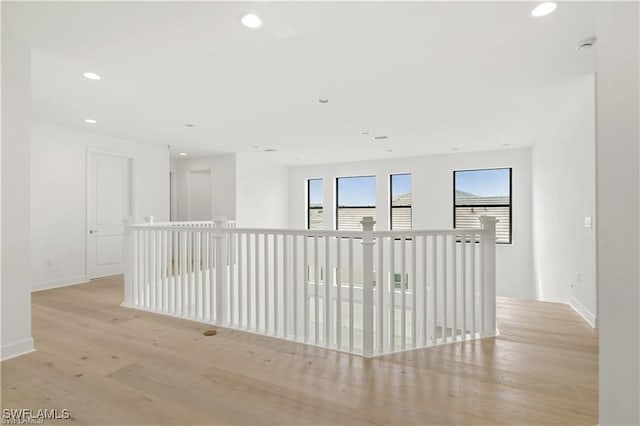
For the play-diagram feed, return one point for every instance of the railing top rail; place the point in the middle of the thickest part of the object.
(422, 232)
(196, 224)
(307, 232)
(314, 233)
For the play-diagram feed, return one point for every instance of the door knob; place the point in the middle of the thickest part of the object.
(93, 231)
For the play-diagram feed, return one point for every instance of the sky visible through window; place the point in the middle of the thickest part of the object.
(484, 183)
(357, 191)
(400, 185)
(315, 192)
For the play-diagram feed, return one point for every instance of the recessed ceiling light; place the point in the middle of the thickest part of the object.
(296, 159)
(380, 138)
(454, 149)
(389, 150)
(92, 75)
(364, 133)
(90, 121)
(544, 9)
(506, 144)
(183, 154)
(323, 100)
(251, 21)
(270, 150)
(189, 125)
(255, 146)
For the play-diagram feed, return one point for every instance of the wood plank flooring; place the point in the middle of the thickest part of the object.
(110, 365)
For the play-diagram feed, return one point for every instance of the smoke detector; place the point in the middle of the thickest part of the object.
(586, 44)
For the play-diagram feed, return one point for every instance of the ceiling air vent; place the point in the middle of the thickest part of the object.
(586, 44)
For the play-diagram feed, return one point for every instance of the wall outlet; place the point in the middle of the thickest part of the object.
(587, 222)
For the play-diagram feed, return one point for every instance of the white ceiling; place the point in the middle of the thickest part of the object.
(431, 76)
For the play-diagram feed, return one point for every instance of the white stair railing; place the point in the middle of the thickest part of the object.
(369, 292)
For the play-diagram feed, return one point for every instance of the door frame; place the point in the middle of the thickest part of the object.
(132, 194)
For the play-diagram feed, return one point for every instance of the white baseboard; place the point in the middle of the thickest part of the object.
(15, 349)
(63, 282)
(584, 312)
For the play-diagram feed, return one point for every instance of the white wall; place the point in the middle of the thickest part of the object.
(173, 200)
(563, 172)
(223, 184)
(16, 118)
(262, 192)
(58, 197)
(618, 178)
(432, 180)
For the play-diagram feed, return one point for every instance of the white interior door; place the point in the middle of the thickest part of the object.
(200, 195)
(108, 204)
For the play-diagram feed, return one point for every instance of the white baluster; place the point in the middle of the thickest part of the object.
(153, 282)
(381, 290)
(392, 294)
(472, 277)
(248, 288)
(174, 271)
(305, 288)
(275, 285)
(425, 293)
(165, 272)
(403, 304)
(434, 286)
(463, 285)
(232, 276)
(190, 287)
(445, 285)
(240, 299)
(137, 263)
(128, 254)
(316, 273)
(182, 254)
(351, 313)
(197, 270)
(327, 290)
(296, 320)
(338, 294)
(454, 288)
(414, 295)
(211, 297)
(267, 328)
(257, 280)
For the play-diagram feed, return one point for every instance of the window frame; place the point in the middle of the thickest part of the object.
(509, 205)
(391, 207)
(337, 209)
(309, 208)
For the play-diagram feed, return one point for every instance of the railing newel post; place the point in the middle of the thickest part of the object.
(220, 242)
(127, 255)
(489, 297)
(367, 285)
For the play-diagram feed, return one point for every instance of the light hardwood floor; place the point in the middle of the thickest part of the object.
(111, 365)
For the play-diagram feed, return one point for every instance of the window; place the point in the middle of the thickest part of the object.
(483, 193)
(315, 210)
(356, 198)
(401, 201)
